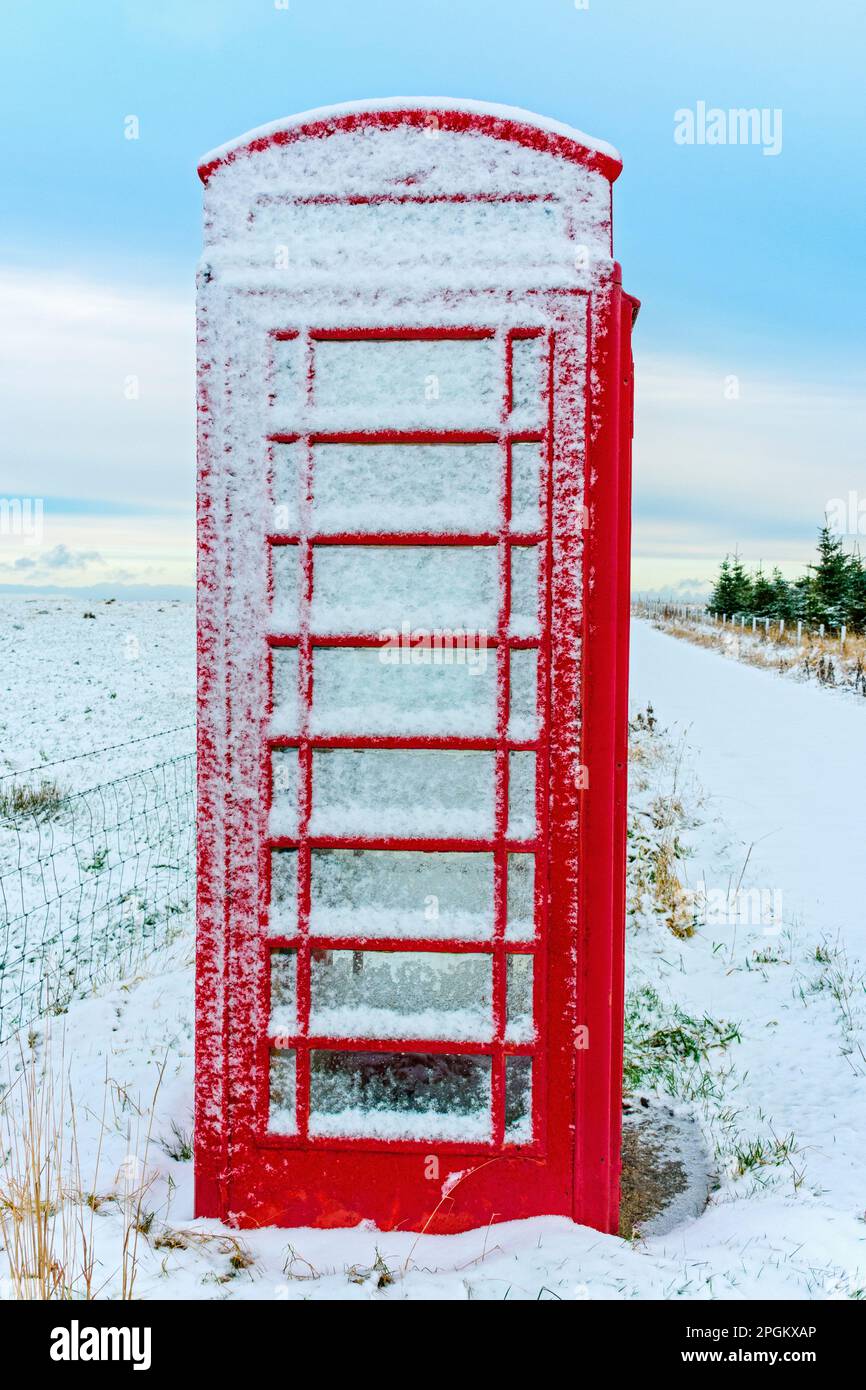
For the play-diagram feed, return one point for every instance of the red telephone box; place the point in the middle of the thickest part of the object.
(415, 407)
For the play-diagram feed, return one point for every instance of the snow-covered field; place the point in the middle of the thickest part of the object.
(753, 1024)
(71, 684)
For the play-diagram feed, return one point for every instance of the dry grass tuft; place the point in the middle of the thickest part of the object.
(41, 800)
(826, 659)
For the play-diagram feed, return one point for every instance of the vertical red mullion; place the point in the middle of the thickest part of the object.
(305, 767)
(540, 990)
(503, 703)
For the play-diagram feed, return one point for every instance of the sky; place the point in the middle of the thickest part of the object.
(747, 257)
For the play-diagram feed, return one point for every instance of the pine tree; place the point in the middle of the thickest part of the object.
(783, 597)
(829, 580)
(723, 597)
(741, 587)
(763, 595)
(801, 597)
(855, 593)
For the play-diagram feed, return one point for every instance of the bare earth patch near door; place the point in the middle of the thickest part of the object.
(667, 1175)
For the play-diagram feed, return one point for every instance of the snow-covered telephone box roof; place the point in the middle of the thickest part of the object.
(414, 426)
(354, 187)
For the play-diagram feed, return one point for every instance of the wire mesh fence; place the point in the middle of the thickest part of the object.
(90, 882)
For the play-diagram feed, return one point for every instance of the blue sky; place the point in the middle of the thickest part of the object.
(748, 265)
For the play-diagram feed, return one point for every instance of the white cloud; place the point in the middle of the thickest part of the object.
(72, 352)
(713, 469)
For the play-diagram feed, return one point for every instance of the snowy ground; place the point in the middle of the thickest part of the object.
(70, 684)
(762, 773)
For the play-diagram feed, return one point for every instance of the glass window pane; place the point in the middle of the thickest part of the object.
(518, 1099)
(523, 682)
(402, 994)
(284, 793)
(521, 796)
(403, 690)
(527, 470)
(411, 893)
(287, 472)
(286, 590)
(288, 382)
(282, 1117)
(408, 383)
(521, 897)
(524, 591)
(283, 909)
(284, 994)
(378, 589)
(528, 386)
(519, 1026)
(419, 792)
(406, 487)
(284, 690)
(389, 1095)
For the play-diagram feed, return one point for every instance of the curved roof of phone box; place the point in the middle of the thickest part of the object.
(478, 117)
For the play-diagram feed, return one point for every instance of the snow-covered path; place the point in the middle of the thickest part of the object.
(783, 764)
(781, 767)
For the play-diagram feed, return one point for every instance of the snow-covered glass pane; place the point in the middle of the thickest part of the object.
(282, 1118)
(285, 578)
(284, 994)
(398, 1095)
(523, 717)
(518, 1099)
(284, 690)
(527, 462)
(402, 994)
(413, 235)
(529, 360)
(521, 796)
(283, 908)
(402, 893)
(288, 380)
(406, 487)
(430, 689)
(376, 589)
(284, 793)
(286, 488)
(398, 383)
(520, 925)
(524, 591)
(519, 1025)
(387, 791)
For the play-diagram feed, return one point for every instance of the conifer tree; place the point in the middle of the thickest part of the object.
(830, 580)
(722, 599)
(763, 595)
(783, 598)
(855, 593)
(741, 586)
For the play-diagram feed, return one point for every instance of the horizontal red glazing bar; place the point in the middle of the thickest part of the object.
(367, 1143)
(533, 846)
(429, 334)
(442, 742)
(433, 944)
(439, 538)
(386, 436)
(370, 639)
(362, 199)
(425, 538)
(451, 1047)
